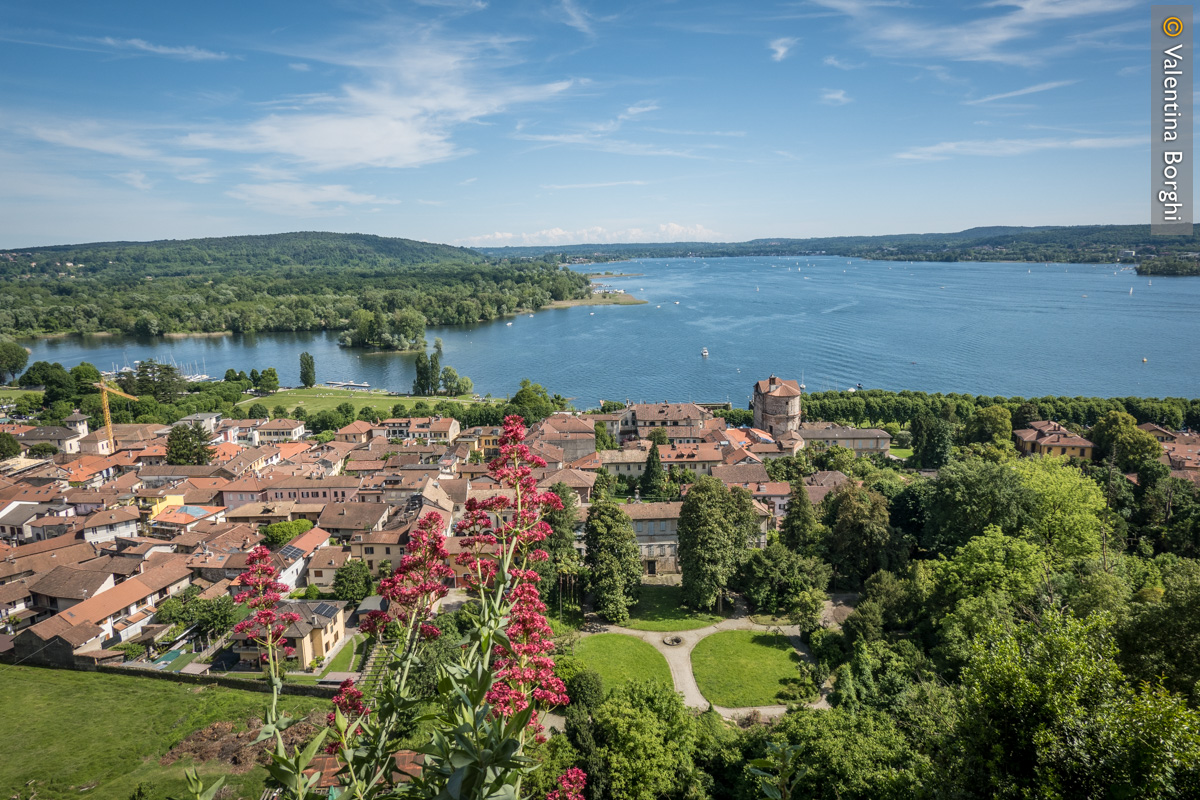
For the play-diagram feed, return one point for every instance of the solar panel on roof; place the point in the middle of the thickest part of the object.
(326, 610)
(291, 552)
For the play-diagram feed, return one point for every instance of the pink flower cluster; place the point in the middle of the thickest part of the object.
(524, 671)
(262, 595)
(417, 582)
(572, 782)
(349, 700)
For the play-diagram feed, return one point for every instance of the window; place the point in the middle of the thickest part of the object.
(662, 526)
(318, 573)
(639, 527)
(369, 551)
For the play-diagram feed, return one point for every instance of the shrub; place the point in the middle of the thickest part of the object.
(828, 646)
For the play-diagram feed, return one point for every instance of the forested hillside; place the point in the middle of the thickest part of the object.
(281, 282)
(1079, 244)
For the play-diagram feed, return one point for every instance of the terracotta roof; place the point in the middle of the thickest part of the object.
(114, 516)
(741, 473)
(70, 583)
(643, 511)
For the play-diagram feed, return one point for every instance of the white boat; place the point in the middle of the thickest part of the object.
(1131, 290)
(591, 313)
(676, 302)
(704, 352)
(509, 324)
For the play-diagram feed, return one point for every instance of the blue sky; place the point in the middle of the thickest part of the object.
(567, 121)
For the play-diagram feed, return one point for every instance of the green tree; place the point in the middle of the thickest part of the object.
(860, 539)
(613, 560)
(780, 582)
(42, 450)
(277, 534)
(13, 358)
(308, 370)
(604, 440)
(851, 755)
(968, 496)
(658, 436)
(268, 381)
(713, 535)
(1046, 712)
(800, 530)
(933, 441)
(647, 741)
(188, 445)
(992, 424)
(653, 476)
(352, 582)
(86, 376)
(9, 446)
(258, 411)
(215, 616)
(1067, 508)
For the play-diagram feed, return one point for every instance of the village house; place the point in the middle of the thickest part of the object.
(656, 526)
(323, 565)
(322, 625)
(343, 520)
(280, 430)
(1048, 438)
(863, 441)
(105, 526)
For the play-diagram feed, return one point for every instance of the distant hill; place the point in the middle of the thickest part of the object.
(1085, 243)
(303, 248)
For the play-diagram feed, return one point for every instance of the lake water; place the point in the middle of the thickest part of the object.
(983, 328)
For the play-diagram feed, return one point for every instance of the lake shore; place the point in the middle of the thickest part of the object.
(605, 299)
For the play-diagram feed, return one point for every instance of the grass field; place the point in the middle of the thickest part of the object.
(744, 668)
(319, 399)
(659, 609)
(73, 732)
(901, 452)
(620, 658)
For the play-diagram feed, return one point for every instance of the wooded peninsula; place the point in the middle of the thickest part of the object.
(381, 291)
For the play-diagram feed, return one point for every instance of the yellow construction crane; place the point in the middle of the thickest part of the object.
(105, 390)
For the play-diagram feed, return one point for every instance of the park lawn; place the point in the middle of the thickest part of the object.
(744, 668)
(901, 452)
(76, 731)
(318, 399)
(620, 658)
(659, 609)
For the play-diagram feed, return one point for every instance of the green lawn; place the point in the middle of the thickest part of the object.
(348, 657)
(620, 658)
(73, 732)
(319, 399)
(744, 668)
(181, 662)
(659, 609)
(901, 452)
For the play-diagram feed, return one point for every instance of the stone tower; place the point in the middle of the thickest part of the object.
(776, 405)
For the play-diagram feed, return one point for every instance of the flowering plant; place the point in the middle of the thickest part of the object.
(493, 693)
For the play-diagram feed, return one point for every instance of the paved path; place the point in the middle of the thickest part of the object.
(679, 657)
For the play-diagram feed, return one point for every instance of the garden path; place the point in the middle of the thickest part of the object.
(679, 656)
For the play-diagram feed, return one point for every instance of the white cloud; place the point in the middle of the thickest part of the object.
(101, 137)
(1016, 147)
(994, 38)
(186, 52)
(664, 232)
(779, 47)
(300, 66)
(136, 178)
(592, 185)
(467, 182)
(835, 97)
(1041, 87)
(421, 89)
(834, 61)
(299, 199)
(576, 17)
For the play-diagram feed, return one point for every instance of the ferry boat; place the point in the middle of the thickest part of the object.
(704, 352)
